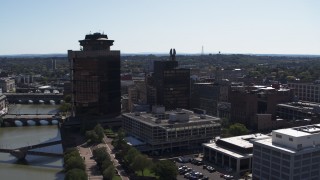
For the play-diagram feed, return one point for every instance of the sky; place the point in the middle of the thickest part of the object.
(145, 26)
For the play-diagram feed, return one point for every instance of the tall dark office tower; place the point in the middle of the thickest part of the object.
(172, 84)
(95, 72)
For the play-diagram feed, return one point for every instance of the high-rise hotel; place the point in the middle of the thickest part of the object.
(95, 77)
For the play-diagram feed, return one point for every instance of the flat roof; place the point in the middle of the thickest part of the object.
(300, 131)
(194, 119)
(268, 142)
(226, 151)
(244, 141)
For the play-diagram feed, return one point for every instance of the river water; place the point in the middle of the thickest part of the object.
(34, 167)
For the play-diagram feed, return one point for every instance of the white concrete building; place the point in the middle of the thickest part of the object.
(292, 153)
(234, 152)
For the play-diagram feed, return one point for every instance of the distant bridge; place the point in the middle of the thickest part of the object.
(20, 153)
(35, 97)
(24, 119)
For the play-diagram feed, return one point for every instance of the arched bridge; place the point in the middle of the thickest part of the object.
(35, 97)
(20, 153)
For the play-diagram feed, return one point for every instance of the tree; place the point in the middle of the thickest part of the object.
(74, 162)
(67, 98)
(109, 173)
(237, 129)
(100, 155)
(166, 170)
(64, 107)
(98, 129)
(70, 154)
(105, 164)
(140, 163)
(131, 154)
(76, 174)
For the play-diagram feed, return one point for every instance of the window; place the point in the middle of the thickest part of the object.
(278, 136)
(290, 139)
(299, 146)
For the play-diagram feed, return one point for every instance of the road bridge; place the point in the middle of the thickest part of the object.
(35, 97)
(20, 153)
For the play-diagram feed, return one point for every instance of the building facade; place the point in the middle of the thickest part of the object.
(234, 152)
(7, 84)
(171, 130)
(3, 104)
(207, 96)
(95, 72)
(292, 153)
(172, 85)
(247, 103)
(306, 91)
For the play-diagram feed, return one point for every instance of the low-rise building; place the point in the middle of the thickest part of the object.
(306, 91)
(292, 153)
(3, 104)
(298, 110)
(234, 152)
(163, 130)
(7, 85)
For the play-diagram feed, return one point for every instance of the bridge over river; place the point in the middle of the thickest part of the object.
(20, 153)
(34, 97)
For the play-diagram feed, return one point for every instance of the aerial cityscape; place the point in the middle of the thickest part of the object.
(141, 90)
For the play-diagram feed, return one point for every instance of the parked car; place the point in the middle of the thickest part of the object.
(210, 169)
(228, 177)
(187, 175)
(204, 166)
(205, 178)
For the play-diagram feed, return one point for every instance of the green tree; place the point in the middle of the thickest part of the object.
(140, 163)
(65, 107)
(109, 173)
(105, 164)
(166, 170)
(100, 155)
(131, 154)
(98, 129)
(67, 98)
(74, 162)
(76, 174)
(70, 154)
(237, 129)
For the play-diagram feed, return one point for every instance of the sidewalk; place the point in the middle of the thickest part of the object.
(116, 164)
(91, 165)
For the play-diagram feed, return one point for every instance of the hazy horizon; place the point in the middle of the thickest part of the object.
(231, 27)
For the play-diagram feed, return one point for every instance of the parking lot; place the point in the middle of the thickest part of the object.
(214, 175)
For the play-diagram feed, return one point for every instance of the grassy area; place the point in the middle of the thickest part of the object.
(146, 172)
(116, 178)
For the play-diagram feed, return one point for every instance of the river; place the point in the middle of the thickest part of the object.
(34, 167)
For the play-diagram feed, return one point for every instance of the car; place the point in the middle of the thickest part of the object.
(205, 178)
(210, 169)
(187, 175)
(199, 163)
(228, 177)
(221, 175)
(204, 166)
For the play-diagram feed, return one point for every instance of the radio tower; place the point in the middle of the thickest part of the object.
(202, 52)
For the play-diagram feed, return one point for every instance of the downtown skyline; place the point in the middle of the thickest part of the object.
(257, 27)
